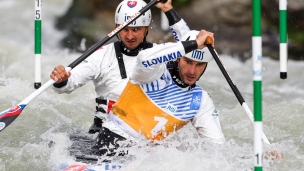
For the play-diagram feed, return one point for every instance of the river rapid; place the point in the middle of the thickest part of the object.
(39, 138)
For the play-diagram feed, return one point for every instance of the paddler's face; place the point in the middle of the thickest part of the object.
(132, 37)
(190, 70)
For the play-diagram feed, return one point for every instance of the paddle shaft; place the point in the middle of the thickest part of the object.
(232, 85)
(9, 115)
(114, 33)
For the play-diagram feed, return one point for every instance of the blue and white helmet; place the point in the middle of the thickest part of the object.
(127, 9)
(200, 55)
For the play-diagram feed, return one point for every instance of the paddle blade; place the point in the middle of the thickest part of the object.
(9, 115)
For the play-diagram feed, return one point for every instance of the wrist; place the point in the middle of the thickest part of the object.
(189, 45)
(172, 16)
(167, 8)
(61, 84)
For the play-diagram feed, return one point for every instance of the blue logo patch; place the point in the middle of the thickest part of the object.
(171, 108)
(196, 100)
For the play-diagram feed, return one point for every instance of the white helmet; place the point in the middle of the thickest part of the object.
(127, 8)
(200, 55)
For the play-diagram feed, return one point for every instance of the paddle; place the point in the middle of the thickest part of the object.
(9, 115)
(237, 93)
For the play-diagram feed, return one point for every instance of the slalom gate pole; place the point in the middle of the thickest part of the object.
(257, 84)
(283, 39)
(37, 83)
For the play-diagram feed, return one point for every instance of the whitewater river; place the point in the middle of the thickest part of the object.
(25, 144)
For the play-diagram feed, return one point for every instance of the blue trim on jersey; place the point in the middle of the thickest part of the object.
(164, 92)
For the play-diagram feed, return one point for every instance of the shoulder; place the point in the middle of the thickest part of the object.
(106, 48)
(102, 52)
(204, 92)
(206, 98)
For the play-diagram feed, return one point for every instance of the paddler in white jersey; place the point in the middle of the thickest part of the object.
(103, 67)
(162, 96)
(111, 65)
(110, 68)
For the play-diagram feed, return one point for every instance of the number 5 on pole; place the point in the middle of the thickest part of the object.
(37, 83)
(9, 115)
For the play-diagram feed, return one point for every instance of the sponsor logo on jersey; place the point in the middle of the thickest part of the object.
(172, 109)
(162, 59)
(132, 4)
(215, 113)
(196, 100)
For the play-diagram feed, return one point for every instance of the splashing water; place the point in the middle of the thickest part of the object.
(39, 138)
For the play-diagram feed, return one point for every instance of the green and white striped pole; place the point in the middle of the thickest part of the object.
(257, 83)
(37, 83)
(283, 39)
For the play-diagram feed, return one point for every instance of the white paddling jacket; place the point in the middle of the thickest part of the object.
(103, 69)
(153, 106)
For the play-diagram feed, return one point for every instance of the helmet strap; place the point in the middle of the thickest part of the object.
(134, 52)
(144, 45)
(147, 32)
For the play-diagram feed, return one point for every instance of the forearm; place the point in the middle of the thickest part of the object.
(177, 25)
(80, 75)
(179, 29)
(172, 17)
(151, 63)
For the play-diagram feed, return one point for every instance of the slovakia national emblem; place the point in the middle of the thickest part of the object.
(12, 111)
(132, 4)
(15, 110)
